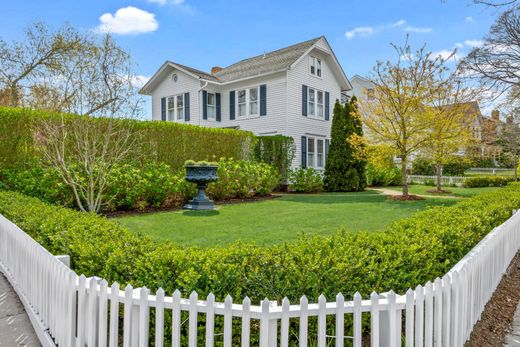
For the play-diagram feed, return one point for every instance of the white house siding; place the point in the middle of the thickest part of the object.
(270, 124)
(359, 86)
(297, 124)
(167, 87)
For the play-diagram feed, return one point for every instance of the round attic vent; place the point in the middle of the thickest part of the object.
(174, 77)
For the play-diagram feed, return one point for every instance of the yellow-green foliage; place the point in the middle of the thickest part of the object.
(164, 142)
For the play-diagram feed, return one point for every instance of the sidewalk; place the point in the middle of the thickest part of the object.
(513, 338)
(15, 326)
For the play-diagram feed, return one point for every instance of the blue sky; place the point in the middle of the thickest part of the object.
(203, 34)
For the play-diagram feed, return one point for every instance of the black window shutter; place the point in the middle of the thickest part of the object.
(263, 100)
(327, 106)
(217, 101)
(327, 144)
(187, 107)
(163, 108)
(232, 105)
(304, 151)
(204, 105)
(304, 100)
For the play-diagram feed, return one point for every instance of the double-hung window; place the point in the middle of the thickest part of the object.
(248, 102)
(175, 108)
(315, 66)
(211, 106)
(253, 101)
(180, 107)
(316, 152)
(316, 103)
(310, 152)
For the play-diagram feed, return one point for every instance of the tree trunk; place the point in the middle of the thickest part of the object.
(438, 173)
(516, 169)
(404, 167)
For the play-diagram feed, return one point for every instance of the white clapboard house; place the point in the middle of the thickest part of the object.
(290, 91)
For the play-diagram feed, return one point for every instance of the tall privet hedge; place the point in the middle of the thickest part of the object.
(277, 151)
(164, 142)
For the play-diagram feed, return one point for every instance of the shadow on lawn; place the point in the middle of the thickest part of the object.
(201, 213)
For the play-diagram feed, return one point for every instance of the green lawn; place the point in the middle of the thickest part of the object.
(455, 191)
(277, 220)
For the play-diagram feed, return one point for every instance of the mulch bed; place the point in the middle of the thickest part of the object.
(410, 197)
(115, 214)
(495, 323)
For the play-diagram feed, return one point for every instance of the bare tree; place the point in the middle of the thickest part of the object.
(499, 3)
(496, 65)
(85, 151)
(509, 141)
(24, 63)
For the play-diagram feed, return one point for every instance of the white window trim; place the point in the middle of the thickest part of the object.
(315, 115)
(315, 59)
(213, 106)
(248, 103)
(175, 108)
(315, 153)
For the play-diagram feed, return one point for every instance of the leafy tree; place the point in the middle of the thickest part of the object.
(400, 114)
(509, 140)
(345, 166)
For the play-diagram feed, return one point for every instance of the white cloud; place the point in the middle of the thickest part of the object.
(469, 19)
(418, 29)
(445, 54)
(399, 23)
(459, 45)
(127, 21)
(359, 31)
(164, 2)
(474, 43)
(139, 80)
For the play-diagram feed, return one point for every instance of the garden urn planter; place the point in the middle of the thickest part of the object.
(201, 175)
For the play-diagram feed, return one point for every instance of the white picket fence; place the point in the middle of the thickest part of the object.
(71, 310)
(445, 180)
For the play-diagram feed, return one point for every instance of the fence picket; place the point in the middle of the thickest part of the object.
(210, 320)
(159, 318)
(392, 313)
(114, 315)
(246, 325)
(176, 319)
(284, 328)
(303, 321)
(322, 321)
(144, 317)
(102, 309)
(409, 325)
(127, 319)
(428, 315)
(437, 312)
(374, 320)
(340, 320)
(81, 310)
(192, 333)
(419, 316)
(228, 321)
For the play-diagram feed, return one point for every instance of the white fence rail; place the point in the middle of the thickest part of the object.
(71, 310)
(445, 180)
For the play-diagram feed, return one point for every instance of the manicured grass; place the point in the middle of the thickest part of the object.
(277, 220)
(455, 191)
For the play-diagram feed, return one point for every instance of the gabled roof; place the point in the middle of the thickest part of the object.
(274, 61)
(264, 64)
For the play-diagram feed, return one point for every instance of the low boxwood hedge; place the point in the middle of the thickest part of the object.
(409, 252)
(487, 181)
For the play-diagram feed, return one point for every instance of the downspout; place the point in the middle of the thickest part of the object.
(201, 104)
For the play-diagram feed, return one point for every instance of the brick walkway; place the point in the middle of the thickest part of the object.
(15, 326)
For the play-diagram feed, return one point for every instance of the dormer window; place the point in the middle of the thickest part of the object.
(315, 66)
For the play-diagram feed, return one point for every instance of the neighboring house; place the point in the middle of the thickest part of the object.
(290, 91)
(362, 88)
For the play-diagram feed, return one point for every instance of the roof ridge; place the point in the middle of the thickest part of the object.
(276, 51)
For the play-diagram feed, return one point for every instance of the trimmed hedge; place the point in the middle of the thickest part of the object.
(277, 151)
(163, 142)
(305, 180)
(408, 252)
(140, 185)
(487, 181)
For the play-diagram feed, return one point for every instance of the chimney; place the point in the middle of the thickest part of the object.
(215, 69)
(495, 115)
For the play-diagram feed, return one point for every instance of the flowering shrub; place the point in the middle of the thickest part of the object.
(305, 180)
